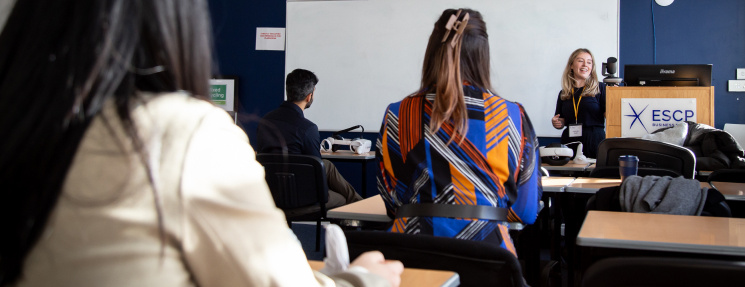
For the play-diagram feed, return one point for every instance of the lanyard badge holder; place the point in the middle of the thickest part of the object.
(575, 130)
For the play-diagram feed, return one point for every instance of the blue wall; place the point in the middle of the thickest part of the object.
(260, 73)
(690, 32)
(687, 32)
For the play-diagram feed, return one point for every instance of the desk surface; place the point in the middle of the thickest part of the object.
(730, 190)
(348, 155)
(368, 209)
(662, 232)
(556, 183)
(416, 277)
(591, 185)
(373, 209)
(571, 166)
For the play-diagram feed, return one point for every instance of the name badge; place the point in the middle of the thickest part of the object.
(575, 130)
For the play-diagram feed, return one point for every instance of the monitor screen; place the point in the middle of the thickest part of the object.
(668, 75)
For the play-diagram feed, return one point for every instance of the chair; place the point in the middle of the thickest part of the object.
(477, 263)
(652, 155)
(298, 186)
(728, 175)
(661, 271)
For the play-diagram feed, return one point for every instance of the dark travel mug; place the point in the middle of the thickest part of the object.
(628, 165)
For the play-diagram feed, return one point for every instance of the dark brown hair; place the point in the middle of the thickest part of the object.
(447, 67)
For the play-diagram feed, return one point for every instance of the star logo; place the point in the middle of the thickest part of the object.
(636, 117)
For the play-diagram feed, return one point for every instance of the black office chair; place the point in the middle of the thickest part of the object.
(661, 272)
(298, 186)
(727, 175)
(653, 156)
(477, 263)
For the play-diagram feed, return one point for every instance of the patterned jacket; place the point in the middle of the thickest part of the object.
(496, 165)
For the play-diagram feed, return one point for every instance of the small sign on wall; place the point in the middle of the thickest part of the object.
(270, 39)
(222, 93)
(641, 116)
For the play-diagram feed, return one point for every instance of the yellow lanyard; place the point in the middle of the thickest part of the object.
(576, 106)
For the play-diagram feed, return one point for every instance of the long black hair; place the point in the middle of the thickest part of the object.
(60, 60)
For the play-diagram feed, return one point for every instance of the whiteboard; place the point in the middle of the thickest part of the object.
(368, 54)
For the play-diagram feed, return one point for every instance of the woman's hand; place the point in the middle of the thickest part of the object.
(374, 262)
(557, 122)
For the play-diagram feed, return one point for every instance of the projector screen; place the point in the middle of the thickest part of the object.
(368, 54)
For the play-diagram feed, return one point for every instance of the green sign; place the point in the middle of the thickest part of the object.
(218, 94)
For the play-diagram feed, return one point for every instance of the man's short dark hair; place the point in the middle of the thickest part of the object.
(299, 84)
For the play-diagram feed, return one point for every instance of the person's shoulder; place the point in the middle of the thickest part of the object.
(173, 111)
(394, 106)
(308, 124)
(491, 96)
(177, 104)
(279, 112)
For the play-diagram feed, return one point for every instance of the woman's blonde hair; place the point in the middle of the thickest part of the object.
(453, 58)
(567, 78)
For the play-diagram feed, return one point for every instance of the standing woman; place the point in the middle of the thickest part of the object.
(581, 104)
(117, 171)
(454, 146)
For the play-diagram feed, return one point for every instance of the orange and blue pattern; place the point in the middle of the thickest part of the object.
(496, 165)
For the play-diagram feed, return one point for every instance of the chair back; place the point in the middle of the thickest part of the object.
(295, 180)
(477, 263)
(662, 271)
(651, 154)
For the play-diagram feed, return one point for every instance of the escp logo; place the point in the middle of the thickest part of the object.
(641, 116)
(660, 117)
(667, 115)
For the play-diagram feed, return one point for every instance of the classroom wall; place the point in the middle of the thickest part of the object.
(690, 32)
(260, 73)
(687, 32)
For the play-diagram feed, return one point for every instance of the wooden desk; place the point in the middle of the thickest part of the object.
(730, 190)
(349, 156)
(372, 209)
(368, 209)
(415, 277)
(571, 166)
(590, 184)
(704, 172)
(662, 232)
(556, 183)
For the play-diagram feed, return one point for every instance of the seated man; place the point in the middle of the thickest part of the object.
(286, 128)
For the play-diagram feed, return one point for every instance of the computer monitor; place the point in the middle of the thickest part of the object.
(668, 75)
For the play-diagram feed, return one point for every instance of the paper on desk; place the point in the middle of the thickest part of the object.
(337, 259)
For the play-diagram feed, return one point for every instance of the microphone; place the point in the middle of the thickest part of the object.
(609, 71)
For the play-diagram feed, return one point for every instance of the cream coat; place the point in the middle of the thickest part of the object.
(220, 225)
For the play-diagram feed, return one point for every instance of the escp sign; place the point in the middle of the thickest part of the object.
(676, 115)
(640, 116)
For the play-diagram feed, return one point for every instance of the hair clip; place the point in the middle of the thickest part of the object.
(459, 26)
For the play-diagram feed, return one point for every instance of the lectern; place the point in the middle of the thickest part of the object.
(704, 97)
